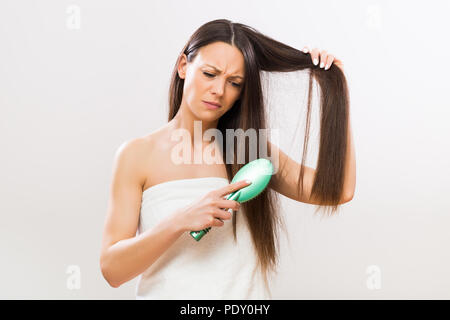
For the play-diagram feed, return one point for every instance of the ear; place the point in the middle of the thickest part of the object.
(182, 63)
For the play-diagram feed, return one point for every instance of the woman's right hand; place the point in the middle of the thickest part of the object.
(207, 211)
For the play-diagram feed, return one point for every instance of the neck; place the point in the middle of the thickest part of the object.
(185, 119)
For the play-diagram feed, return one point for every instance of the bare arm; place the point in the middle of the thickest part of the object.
(350, 165)
(127, 258)
(125, 255)
(285, 180)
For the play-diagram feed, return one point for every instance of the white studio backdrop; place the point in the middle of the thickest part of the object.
(78, 78)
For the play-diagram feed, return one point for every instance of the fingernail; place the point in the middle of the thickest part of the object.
(315, 62)
(327, 66)
(248, 181)
(305, 50)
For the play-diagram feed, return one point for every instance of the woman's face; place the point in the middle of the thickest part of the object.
(202, 82)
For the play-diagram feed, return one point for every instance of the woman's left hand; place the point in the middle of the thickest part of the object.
(326, 59)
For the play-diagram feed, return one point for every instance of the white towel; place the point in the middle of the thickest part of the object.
(213, 268)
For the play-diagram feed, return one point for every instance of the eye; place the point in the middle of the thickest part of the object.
(209, 75)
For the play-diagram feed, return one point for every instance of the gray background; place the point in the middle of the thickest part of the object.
(72, 91)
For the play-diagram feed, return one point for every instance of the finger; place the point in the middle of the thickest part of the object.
(339, 63)
(329, 61)
(216, 222)
(315, 56)
(222, 214)
(232, 187)
(229, 204)
(323, 58)
(305, 49)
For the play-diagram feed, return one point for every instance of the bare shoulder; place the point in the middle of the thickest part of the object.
(133, 148)
(135, 154)
(146, 153)
(141, 147)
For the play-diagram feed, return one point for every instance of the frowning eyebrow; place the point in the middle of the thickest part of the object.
(237, 76)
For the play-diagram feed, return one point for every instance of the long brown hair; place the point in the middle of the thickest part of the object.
(262, 53)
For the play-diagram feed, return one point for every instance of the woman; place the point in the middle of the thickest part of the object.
(163, 200)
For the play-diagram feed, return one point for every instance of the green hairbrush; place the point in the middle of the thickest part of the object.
(259, 172)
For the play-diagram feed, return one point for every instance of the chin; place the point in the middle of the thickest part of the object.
(210, 116)
(207, 115)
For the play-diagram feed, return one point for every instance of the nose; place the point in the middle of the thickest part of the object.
(218, 87)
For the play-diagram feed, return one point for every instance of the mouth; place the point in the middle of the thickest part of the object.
(211, 105)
